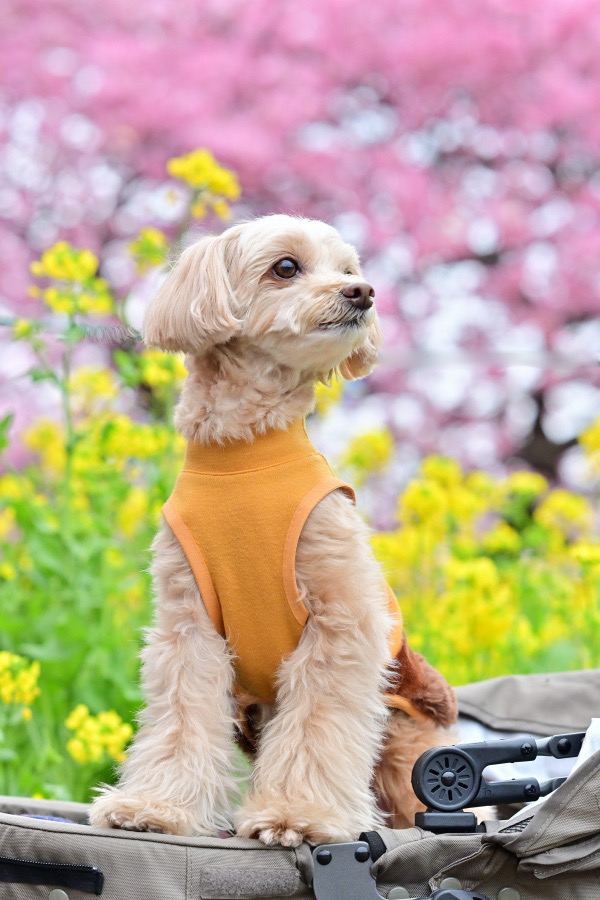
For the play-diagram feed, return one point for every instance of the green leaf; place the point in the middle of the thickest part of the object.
(5, 424)
(38, 374)
(128, 367)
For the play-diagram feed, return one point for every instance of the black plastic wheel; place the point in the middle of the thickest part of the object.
(446, 779)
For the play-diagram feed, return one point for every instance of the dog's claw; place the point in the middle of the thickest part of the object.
(288, 827)
(115, 809)
(287, 837)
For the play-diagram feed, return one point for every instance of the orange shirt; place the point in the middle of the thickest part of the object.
(237, 510)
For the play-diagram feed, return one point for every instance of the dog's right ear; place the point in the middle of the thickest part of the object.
(193, 309)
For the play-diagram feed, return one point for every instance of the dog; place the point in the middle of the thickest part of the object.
(273, 625)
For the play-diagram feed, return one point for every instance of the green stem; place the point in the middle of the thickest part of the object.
(67, 360)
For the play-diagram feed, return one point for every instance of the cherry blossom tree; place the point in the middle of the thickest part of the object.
(457, 144)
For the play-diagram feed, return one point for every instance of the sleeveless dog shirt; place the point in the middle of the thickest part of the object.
(237, 510)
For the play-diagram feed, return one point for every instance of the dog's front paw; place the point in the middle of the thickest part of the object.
(280, 821)
(116, 809)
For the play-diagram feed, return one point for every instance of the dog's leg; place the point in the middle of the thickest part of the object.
(177, 775)
(316, 756)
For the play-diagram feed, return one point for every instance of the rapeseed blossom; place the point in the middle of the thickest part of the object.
(96, 737)
(133, 512)
(7, 522)
(46, 438)
(149, 249)
(162, 371)
(565, 513)
(494, 574)
(327, 394)
(23, 329)
(18, 680)
(213, 184)
(75, 288)
(590, 441)
(369, 452)
(93, 389)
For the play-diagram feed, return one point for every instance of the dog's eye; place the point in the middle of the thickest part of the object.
(286, 268)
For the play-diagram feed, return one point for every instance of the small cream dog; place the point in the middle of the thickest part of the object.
(264, 311)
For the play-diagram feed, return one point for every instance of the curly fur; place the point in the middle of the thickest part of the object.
(256, 346)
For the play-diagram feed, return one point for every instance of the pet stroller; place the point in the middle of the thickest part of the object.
(545, 851)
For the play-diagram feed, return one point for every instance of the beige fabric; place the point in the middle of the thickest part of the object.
(552, 854)
(542, 704)
(549, 852)
(140, 866)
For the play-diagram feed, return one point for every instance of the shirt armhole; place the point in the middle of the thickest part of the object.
(301, 514)
(395, 701)
(197, 565)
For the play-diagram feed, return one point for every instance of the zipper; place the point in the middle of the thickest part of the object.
(88, 879)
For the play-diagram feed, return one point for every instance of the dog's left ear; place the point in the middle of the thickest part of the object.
(193, 310)
(362, 360)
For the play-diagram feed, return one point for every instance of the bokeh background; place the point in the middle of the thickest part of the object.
(457, 145)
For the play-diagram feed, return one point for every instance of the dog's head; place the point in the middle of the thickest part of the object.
(290, 287)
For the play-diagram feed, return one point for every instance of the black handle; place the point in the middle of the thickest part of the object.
(448, 779)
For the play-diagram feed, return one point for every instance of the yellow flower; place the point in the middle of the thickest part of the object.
(99, 301)
(78, 751)
(7, 571)
(501, 539)
(200, 170)
(369, 453)
(63, 262)
(326, 395)
(529, 483)
(76, 287)
(133, 512)
(77, 717)
(45, 438)
(481, 484)
(92, 388)
(423, 501)
(585, 552)
(465, 505)
(7, 522)
(149, 249)
(480, 574)
(18, 679)
(221, 209)
(198, 209)
(567, 513)
(213, 185)
(12, 487)
(23, 328)
(161, 369)
(97, 736)
(446, 472)
(590, 440)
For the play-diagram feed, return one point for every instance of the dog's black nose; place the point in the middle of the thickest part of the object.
(360, 294)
